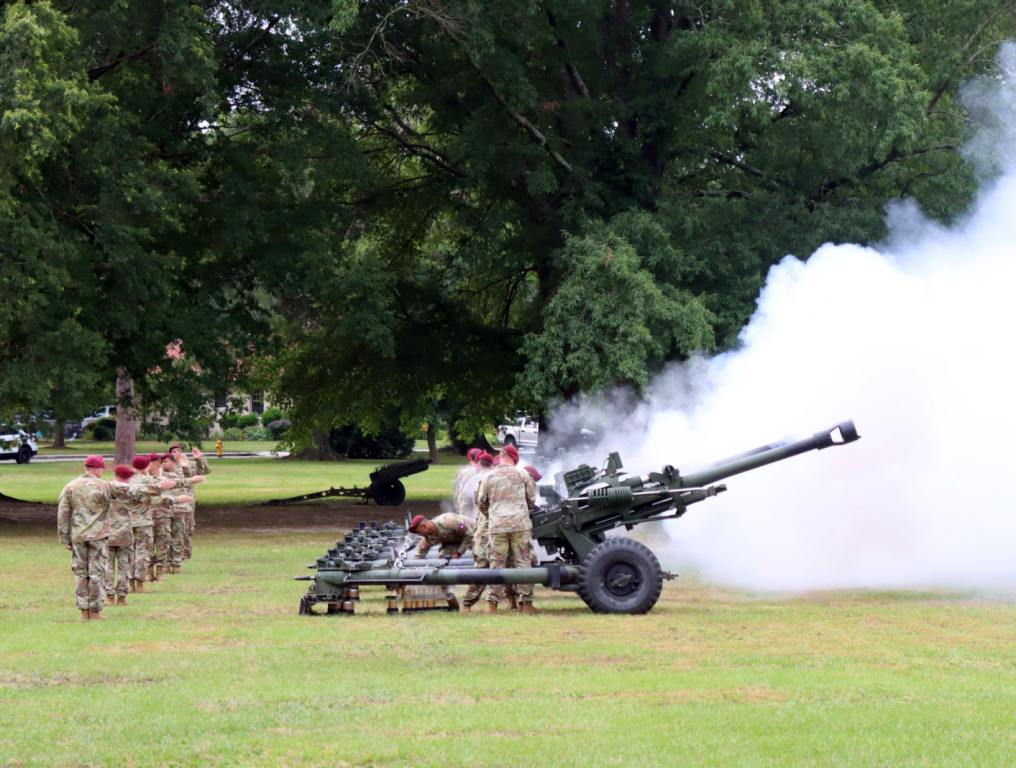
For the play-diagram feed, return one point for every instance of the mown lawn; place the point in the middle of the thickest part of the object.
(238, 481)
(216, 669)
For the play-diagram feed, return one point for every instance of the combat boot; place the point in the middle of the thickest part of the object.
(527, 608)
(157, 572)
(491, 607)
(94, 615)
(121, 599)
(513, 603)
(466, 608)
(141, 586)
(85, 614)
(150, 575)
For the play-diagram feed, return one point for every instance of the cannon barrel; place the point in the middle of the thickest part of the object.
(840, 434)
(548, 576)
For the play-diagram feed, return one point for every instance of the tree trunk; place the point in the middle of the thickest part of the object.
(126, 418)
(58, 434)
(321, 450)
(432, 443)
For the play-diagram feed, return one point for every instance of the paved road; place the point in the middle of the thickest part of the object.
(212, 457)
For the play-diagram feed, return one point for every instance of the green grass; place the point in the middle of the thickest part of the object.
(85, 447)
(238, 481)
(216, 669)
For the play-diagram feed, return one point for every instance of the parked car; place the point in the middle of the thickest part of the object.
(17, 444)
(524, 432)
(106, 411)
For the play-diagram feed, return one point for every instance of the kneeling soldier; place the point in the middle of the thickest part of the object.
(453, 532)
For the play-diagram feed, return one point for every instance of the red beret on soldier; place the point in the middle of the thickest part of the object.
(511, 450)
(533, 472)
(123, 471)
(141, 462)
(415, 522)
(95, 462)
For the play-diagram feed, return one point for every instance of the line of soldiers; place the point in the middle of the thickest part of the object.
(493, 498)
(130, 530)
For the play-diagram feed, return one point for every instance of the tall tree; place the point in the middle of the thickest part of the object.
(527, 200)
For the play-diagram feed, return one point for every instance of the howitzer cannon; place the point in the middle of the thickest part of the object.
(610, 574)
(385, 487)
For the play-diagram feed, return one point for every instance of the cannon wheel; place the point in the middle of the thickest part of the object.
(389, 494)
(620, 576)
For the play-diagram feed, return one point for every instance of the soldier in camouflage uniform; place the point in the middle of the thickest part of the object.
(162, 523)
(465, 494)
(141, 525)
(83, 527)
(179, 511)
(453, 532)
(464, 475)
(188, 467)
(480, 536)
(506, 496)
(121, 541)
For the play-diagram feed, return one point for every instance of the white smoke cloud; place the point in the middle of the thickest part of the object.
(915, 341)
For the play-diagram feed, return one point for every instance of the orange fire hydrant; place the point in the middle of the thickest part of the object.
(218, 447)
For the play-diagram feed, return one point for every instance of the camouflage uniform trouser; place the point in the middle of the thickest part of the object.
(88, 561)
(118, 569)
(188, 532)
(141, 554)
(176, 539)
(481, 542)
(514, 550)
(163, 533)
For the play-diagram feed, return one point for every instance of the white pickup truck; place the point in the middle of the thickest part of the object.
(524, 432)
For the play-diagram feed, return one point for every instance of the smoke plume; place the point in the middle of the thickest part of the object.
(914, 340)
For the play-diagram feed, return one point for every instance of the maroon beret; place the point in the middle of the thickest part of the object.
(512, 451)
(169, 456)
(95, 462)
(533, 472)
(474, 454)
(485, 458)
(415, 522)
(154, 456)
(141, 462)
(123, 471)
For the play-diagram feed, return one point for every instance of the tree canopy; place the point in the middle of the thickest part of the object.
(395, 209)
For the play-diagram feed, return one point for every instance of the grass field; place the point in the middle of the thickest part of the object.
(216, 669)
(238, 481)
